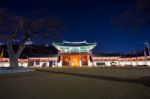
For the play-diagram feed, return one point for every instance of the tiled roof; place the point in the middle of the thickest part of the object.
(83, 43)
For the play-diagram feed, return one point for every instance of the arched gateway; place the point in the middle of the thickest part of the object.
(75, 53)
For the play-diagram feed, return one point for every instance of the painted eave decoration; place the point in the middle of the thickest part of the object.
(77, 47)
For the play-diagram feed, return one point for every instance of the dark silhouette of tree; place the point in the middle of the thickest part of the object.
(17, 29)
(138, 16)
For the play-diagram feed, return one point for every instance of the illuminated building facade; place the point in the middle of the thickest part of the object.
(75, 53)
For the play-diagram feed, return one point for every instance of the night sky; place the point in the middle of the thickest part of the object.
(89, 20)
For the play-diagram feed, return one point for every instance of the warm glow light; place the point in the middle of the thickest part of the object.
(75, 60)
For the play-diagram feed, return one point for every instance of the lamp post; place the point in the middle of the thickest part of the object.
(145, 55)
(147, 44)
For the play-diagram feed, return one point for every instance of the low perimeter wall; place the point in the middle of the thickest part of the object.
(96, 63)
(122, 63)
(6, 64)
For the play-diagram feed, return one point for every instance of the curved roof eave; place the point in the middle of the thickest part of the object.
(59, 46)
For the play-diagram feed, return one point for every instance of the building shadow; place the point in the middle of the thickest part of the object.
(143, 80)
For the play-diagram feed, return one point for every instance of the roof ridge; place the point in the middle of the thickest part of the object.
(78, 42)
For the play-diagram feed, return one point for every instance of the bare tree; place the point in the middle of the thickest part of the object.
(21, 28)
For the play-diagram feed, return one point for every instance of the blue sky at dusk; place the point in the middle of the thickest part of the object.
(89, 20)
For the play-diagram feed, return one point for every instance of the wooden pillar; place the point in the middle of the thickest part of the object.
(80, 61)
(88, 60)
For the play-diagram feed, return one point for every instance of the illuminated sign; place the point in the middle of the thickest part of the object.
(73, 49)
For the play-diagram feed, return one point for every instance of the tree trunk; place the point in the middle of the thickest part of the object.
(13, 60)
(13, 56)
